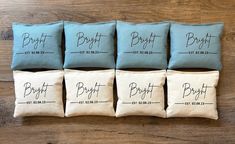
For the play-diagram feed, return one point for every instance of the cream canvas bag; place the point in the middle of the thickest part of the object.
(89, 92)
(140, 93)
(192, 94)
(38, 93)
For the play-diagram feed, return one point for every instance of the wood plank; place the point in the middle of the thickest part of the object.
(5, 60)
(131, 129)
(225, 5)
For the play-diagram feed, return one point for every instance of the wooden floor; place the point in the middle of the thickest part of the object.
(95, 129)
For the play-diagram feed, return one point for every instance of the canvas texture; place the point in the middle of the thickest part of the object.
(38, 93)
(89, 45)
(37, 46)
(140, 93)
(195, 46)
(142, 45)
(89, 92)
(192, 94)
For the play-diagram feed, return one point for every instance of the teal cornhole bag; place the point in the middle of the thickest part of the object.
(142, 45)
(89, 45)
(195, 46)
(37, 46)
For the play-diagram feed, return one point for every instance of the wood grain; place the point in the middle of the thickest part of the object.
(96, 129)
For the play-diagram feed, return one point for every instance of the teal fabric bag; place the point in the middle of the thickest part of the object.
(142, 45)
(37, 46)
(195, 46)
(89, 45)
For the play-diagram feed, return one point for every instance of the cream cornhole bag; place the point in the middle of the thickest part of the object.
(192, 94)
(38, 93)
(140, 93)
(89, 92)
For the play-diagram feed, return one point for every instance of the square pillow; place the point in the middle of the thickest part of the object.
(89, 45)
(140, 93)
(192, 94)
(195, 46)
(142, 45)
(89, 92)
(37, 46)
(38, 93)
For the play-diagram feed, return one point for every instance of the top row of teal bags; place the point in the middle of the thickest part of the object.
(138, 45)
